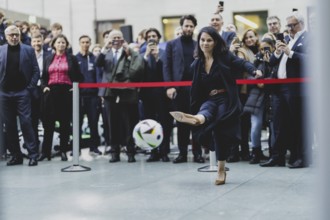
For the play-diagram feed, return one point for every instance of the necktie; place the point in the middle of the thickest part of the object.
(115, 57)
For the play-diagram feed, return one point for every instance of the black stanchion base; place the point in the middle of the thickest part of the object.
(75, 168)
(209, 168)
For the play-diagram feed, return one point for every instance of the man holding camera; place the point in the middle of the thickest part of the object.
(121, 65)
(155, 102)
(217, 23)
(288, 99)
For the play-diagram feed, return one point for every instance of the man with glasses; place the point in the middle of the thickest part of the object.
(274, 24)
(19, 74)
(287, 100)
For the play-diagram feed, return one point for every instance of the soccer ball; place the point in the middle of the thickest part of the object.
(148, 134)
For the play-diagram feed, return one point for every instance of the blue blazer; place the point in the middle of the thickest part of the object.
(295, 65)
(173, 67)
(228, 37)
(28, 65)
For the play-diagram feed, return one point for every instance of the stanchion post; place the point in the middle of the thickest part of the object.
(213, 164)
(75, 133)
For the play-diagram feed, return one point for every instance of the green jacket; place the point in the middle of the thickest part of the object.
(127, 69)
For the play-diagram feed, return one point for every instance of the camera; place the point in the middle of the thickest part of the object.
(116, 42)
(267, 49)
(294, 9)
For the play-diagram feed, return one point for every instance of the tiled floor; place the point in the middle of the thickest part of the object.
(156, 190)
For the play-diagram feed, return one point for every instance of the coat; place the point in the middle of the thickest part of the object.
(127, 69)
(229, 122)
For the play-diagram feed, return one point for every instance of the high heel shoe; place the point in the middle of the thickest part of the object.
(221, 178)
(44, 156)
(186, 118)
(63, 156)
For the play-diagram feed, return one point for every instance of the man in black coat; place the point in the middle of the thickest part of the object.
(19, 74)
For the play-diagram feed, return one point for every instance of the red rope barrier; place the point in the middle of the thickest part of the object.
(187, 83)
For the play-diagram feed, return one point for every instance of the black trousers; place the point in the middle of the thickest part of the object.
(156, 107)
(221, 140)
(88, 106)
(182, 103)
(57, 106)
(15, 104)
(122, 119)
(288, 122)
(36, 111)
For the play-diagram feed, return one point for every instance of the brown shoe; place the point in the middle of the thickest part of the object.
(186, 118)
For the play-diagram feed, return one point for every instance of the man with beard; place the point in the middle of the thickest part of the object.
(178, 58)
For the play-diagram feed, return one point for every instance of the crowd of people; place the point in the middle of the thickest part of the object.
(38, 68)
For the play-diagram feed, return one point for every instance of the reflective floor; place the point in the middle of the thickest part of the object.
(155, 190)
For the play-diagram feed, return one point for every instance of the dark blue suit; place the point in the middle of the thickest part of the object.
(15, 103)
(228, 37)
(173, 71)
(287, 103)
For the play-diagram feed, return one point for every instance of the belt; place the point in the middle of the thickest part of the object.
(216, 91)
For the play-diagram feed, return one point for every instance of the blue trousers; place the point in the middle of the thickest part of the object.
(15, 104)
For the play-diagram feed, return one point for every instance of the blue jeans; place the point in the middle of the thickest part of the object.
(256, 127)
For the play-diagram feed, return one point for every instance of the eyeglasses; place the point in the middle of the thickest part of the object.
(292, 25)
(13, 35)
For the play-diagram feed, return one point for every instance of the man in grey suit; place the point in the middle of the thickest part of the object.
(19, 74)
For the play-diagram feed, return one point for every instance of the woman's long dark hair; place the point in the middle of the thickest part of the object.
(220, 45)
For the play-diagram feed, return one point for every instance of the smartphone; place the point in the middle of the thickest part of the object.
(294, 9)
(221, 3)
(152, 41)
(280, 37)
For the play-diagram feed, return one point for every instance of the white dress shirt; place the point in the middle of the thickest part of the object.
(281, 73)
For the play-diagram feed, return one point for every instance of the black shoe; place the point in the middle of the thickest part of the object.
(245, 157)
(95, 151)
(153, 158)
(233, 158)
(33, 162)
(63, 156)
(199, 159)
(165, 158)
(44, 156)
(131, 159)
(114, 158)
(273, 162)
(297, 164)
(15, 161)
(254, 159)
(180, 159)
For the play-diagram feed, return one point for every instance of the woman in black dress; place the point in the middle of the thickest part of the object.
(215, 104)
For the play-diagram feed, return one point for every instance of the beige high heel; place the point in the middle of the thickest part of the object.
(186, 118)
(221, 178)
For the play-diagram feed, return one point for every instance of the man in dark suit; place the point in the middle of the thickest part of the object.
(179, 56)
(19, 74)
(37, 44)
(121, 64)
(288, 100)
(155, 101)
(217, 23)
